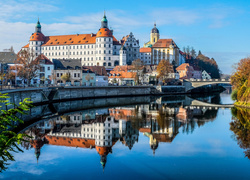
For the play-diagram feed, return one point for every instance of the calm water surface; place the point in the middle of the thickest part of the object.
(164, 139)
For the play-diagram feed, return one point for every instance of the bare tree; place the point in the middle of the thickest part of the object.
(27, 66)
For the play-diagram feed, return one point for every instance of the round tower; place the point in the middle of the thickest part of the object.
(122, 56)
(154, 35)
(36, 40)
(104, 44)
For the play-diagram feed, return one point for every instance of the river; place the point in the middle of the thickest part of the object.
(165, 138)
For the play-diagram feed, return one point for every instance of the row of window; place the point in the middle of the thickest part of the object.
(75, 75)
(78, 53)
(104, 64)
(104, 39)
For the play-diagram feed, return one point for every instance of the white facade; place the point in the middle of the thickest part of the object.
(145, 57)
(132, 46)
(205, 75)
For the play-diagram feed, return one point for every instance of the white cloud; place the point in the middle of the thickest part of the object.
(16, 10)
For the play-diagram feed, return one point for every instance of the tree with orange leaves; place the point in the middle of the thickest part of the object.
(241, 80)
(27, 65)
(163, 69)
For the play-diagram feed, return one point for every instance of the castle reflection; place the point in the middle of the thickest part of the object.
(101, 129)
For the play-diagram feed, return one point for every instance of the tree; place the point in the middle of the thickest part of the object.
(27, 66)
(241, 80)
(163, 69)
(193, 52)
(9, 140)
(188, 50)
(137, 66)
(65, 77)
(199, 53)
(241, 128)
(184, 49)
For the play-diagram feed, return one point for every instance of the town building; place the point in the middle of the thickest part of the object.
(67, 71)
(94, 76)
(145, 55)
(186, 71)
(126, 75)
(165, 49)
(94, 49)
(45, 72)
(132, 48)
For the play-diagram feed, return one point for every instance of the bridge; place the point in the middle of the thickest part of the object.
(196, 104)
(195, 83)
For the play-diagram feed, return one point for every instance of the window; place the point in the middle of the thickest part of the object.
(109, 64)
(48, 68)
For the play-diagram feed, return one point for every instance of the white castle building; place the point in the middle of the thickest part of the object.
(100, 49)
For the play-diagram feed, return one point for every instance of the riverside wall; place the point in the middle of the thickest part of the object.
(58, 94)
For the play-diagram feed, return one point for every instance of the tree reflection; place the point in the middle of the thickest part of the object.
(241, 128)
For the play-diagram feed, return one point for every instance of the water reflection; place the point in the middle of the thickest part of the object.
(101, 129)
(241, 128)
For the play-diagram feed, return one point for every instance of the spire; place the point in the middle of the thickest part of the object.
(38, 27)
(104, 22)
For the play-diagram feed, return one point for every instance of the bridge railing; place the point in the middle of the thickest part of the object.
(208, 80)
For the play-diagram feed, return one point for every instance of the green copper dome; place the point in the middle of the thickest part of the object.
(104, 19)
(38, 25)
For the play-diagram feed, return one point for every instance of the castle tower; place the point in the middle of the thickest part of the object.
(36, 40)
(154, 35)
(104, 44)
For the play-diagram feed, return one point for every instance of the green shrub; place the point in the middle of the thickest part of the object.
(234, 95)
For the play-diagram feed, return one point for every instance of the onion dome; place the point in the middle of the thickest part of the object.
(104, 32)
(38, 25)
(155, 30)
(37, 37)
(104, 19)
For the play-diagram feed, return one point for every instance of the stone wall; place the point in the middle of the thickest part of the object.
(46, 95)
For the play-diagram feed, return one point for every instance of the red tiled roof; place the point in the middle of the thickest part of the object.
(70, 39)
(104, 32)
(182, 66)
(98, 70)
(37, 37)
(164, 43)
(47, 61)
(26, 46)
(123, 72)
(70, 142)
(145, 50)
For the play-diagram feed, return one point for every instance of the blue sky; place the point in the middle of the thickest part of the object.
(220, 29)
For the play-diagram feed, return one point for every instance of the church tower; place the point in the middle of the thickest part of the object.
(154, 35)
